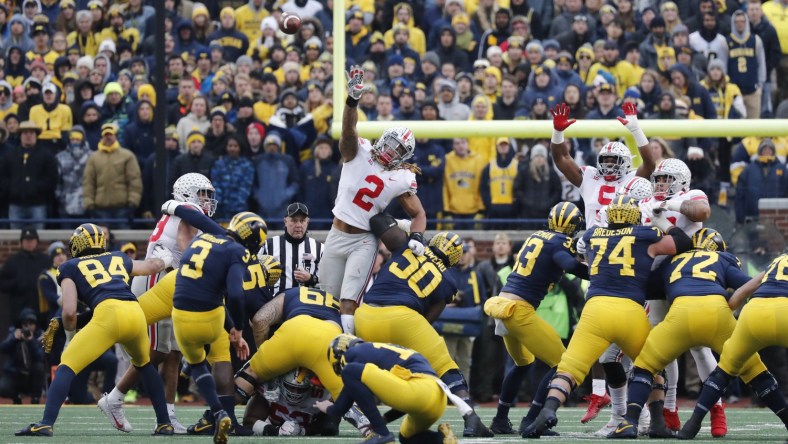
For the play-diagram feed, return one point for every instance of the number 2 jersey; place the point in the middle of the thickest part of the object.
(366, 188)
(775, 282)
(99, 277)
(703, 273)
(619, 263)
(305, 301)
(598, 192)
(542, 260)
(416, 282)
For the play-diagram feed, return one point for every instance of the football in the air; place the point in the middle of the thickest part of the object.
(289, 23)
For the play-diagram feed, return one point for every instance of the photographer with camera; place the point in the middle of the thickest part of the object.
(23, 372)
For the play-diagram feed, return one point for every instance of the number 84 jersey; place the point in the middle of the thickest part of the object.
(366, 188)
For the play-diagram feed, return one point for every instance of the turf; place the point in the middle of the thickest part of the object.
(86, 425)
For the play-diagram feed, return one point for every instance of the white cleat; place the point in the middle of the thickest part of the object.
(644, 422)
(177, 427)
(115, 414)
(610, 427)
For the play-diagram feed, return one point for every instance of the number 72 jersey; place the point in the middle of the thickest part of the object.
(366, 188)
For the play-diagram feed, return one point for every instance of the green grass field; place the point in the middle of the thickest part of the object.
(86, 425)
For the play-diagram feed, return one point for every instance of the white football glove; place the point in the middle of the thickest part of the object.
(416, 243)
(581, 246)
(355, 82)
(403, 224)
(271, 393)
(660, 221)
(500, 329)
(170, 206)
(163, 253)
(291, 428)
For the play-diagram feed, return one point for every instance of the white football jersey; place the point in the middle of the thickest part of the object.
(598, 192)
(366, 188)
(166, 234)
(676, 218)
(601, 215)
(303, 413)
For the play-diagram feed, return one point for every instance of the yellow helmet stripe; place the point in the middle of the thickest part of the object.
(572, 214)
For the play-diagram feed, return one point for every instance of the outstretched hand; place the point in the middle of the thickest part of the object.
(631, 113)
(561, 119)
(355, 82)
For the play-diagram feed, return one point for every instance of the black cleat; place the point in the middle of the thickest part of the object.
(239, 430)
(164, 430)
(624, 430)
(689, 430)
(475, 428)
(36, 429)
(660, 432)
(203, 427)
(501, 426)
(547, 419)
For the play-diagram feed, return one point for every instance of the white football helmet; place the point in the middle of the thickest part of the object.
(618, 168)
(637, 188)
(197, 189)
(677, 178)
(296, 385)
(395, 146)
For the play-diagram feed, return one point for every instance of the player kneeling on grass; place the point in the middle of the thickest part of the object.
(286, 407)
(400, 378)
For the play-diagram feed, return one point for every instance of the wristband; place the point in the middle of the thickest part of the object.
(558, 137)
(351, 102)
(640, 137)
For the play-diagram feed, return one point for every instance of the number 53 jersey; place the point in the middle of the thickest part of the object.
(366, 188)
(407, 280)
(99, 277)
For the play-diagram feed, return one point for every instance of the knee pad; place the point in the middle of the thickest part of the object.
(454, 380)
(641, 376)
(661, 385)
(763, 384)
(245, 385)
(615, 374)
(719, 380)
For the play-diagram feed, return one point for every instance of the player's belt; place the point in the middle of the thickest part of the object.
(347, 228)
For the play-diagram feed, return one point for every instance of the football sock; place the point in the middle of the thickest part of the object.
(228, 405)
(57, 393)
(706, 363)
(206, 385)
(638, 391)
(598, 387)
(155, 387)
(767, 389)
(456, 383)
(171, 409)
(672, 376)
(509, 388)
(116, 395)
(540, 395)
(713, 388)
(657, 418)
(618, 397)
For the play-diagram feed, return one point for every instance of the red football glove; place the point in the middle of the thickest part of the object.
(561, 117)
(631, 111)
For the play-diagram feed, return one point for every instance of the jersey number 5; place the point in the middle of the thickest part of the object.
(372, 193)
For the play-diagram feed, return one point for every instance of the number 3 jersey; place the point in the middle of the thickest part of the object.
(598, 192)
(366, 188)
(99, 277)
(407, 280)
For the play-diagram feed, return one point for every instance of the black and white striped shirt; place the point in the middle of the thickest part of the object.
(291, 254)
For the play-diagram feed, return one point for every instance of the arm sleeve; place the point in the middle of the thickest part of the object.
(570, 264)
(198, 220)
(235, 292)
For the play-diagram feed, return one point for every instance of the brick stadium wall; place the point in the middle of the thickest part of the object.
(775, 211)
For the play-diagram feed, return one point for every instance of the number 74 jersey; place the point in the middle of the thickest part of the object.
(366, 188)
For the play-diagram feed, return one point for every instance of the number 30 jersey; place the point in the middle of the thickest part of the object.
(407, 280)
(366, 188)
(598, 192)
(305, 301)
(99, 277)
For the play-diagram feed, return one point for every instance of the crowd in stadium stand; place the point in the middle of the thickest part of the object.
(251, 107)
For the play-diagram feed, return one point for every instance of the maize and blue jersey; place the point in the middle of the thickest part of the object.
(99, 277)
(775, 282)
(386, 356)
(703, 273)
(305, 301)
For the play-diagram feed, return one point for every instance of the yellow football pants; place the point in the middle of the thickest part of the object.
(761, 324)
(693, 321)
(114, 321)
(196, 329)
(529, 335)
(156, 302)
(417, 395)
(605, 320)
(407, 328)
(302, 341)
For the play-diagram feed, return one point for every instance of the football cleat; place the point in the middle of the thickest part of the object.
(719, 424)
(221, 431)
(239, 430)
(610, 427)
(672, 419)
(624, 430)
(690, 429)
(595, 404)
(48, 338)
(448, 435)
(501, 426)
(114, 413)
(36, 429)
(377, 438)
(547, 419)
(475, 428)
(204, 425)
(163, 430)
(659, 431)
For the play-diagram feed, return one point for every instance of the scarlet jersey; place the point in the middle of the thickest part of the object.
(304, 413)
(366, 188)
(166, 234)
(598, 192)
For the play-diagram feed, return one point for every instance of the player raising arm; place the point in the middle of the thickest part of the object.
(372, 176)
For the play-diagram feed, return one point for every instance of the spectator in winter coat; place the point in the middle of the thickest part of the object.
(27, 177)
(233, 42)
(90, 118)
(185, 38)
(138, 135)
(23, 372)
(316, 179)
(232, 176)
(763, 178)
(537, 186)
(194, 160)
(71, 164)
(542, 84)
(196, 120)
(113, 180)
(149, 204)
(449, 103)
(275, 171)
(684, 84)
(430, 158)
(19, 274)
(497, 183)
(219, 131)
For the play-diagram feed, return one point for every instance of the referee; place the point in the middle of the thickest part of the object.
(299, 254)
